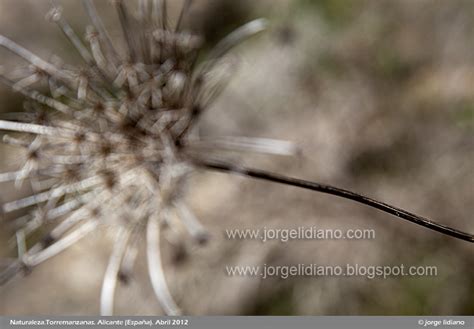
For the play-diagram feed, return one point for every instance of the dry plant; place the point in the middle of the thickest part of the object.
(111, 144)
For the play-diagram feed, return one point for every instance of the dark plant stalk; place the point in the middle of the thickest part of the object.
(313, 186)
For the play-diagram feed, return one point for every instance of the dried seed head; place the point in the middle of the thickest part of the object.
(112, 137)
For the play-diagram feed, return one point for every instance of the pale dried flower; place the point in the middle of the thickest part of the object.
(111, 143)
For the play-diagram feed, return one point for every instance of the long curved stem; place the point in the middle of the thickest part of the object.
(111, 274)
(328, 189)
(155, 268)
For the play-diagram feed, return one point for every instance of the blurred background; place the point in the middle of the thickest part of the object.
(379, 96)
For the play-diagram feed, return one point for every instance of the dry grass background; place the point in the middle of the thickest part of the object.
(380, 97)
